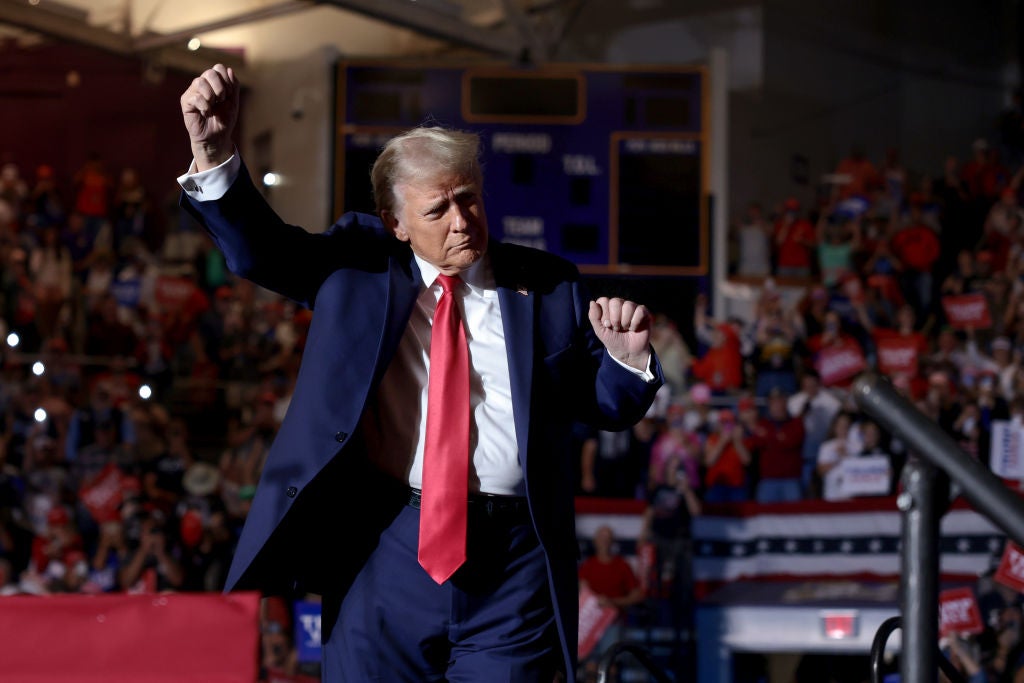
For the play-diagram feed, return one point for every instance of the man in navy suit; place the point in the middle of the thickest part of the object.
(337, 510)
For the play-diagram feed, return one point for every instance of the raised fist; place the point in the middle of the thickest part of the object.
(209, 108)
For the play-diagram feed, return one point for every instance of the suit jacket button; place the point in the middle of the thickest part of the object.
(291, 491)
(340, 437)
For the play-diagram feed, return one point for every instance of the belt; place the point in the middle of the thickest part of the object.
(506, 508)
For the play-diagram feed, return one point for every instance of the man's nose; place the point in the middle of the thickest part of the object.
(459, 219)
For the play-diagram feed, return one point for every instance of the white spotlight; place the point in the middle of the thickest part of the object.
(40, 415)
(145, 392)
(194, 44)
(13, 339)
(38, 368)
(270, 179)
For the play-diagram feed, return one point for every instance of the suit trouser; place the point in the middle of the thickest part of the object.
(492, 621)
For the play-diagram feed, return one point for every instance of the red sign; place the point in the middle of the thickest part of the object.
(958, 612)
(897, 355)
(102, 494)
(839, 625)
(836, 364)
(173, 292)
(594, 621)
(1011, 567)
(122, 638)
(967, 310)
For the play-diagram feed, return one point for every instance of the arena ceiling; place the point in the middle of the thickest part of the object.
(248, 32)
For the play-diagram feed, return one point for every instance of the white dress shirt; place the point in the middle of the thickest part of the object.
(395, 420)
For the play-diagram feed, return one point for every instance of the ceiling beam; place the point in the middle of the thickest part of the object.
(421, 19)
(62, 26)
(180, 37)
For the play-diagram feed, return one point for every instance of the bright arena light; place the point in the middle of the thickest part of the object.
(145, 392)
(270, 179)
(38, 368)
(13, 339)
(40, 415)
(194, 44)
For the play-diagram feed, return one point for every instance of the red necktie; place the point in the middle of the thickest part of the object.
(443, 505)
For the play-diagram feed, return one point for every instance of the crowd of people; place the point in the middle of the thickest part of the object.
(141, 387)
(917, 276)
(142, 383)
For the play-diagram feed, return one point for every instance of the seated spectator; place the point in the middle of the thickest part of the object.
(726, 458)
(610, 577)
(794, 242)
(778, 442)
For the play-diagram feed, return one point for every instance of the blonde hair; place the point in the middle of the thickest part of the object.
(421, 152)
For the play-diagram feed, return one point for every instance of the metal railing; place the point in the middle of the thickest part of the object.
(642, 655)
(923, 501)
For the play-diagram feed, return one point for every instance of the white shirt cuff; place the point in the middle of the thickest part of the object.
(646, 374)
(213, 183)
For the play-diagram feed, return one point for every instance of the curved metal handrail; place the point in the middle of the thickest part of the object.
(642, 655)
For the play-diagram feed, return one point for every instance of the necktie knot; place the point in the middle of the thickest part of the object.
(448, 282)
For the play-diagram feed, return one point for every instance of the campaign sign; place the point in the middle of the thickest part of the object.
(1011, 567)
(897, 355)
(102, 495)
(967, 310)
(1006, 453)
(958, 612)
(173, 292)
(837, 364)
(127, 292)
(307, 631)
(866, 475)
(594, 621)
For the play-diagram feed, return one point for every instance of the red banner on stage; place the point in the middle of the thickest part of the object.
(130, 638)
(958, 612)
(594, 621)
(836, 364)
(967, 310)
(897, 355)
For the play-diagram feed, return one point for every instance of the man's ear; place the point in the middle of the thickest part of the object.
(394, 227)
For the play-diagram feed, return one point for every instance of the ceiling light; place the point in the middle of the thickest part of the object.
(194, 44)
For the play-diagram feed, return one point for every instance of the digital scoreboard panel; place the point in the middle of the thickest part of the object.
(604, 166)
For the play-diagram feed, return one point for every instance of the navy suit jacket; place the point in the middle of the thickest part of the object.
(313, 523)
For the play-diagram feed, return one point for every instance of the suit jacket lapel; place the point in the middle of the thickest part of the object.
(517, 303)
(403, 284)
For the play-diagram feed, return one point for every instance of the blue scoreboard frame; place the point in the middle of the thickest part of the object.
(605, 166)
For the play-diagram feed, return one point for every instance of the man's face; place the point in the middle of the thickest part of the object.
(442, 219)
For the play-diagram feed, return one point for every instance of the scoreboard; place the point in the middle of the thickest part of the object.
(604, 166)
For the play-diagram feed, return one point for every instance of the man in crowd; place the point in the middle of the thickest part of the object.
(429, 421)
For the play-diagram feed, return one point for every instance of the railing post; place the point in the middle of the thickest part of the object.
(922, 502)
